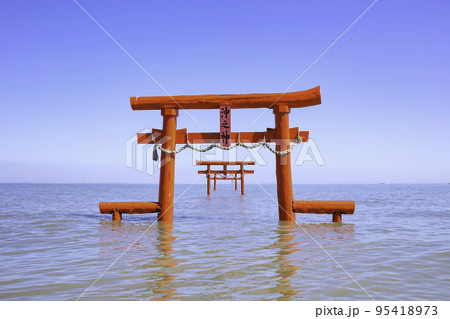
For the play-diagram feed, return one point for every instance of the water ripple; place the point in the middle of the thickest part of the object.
(225, 247)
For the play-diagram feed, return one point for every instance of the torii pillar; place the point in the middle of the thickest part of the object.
(283, 163)
(167, 170)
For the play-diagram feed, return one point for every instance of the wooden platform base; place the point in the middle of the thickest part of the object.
(119, 208)
(337, 208)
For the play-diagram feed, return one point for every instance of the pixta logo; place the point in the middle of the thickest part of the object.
(309, 152)
(141, 156)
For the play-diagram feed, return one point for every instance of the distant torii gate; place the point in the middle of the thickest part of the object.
(282, 135)
(225, 174)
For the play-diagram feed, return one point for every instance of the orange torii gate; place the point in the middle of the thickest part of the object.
(225, 174)
(282, 135)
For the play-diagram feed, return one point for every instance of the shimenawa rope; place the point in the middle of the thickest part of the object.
(298, 140)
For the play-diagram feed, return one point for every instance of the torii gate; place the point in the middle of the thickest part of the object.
(225, 174)
(282, 135)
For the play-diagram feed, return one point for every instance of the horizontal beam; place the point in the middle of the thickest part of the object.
(323, 207)
(236, 101)
(129, 207)
(227, 171)
(226, 179)
(208, 137)
(224, 162)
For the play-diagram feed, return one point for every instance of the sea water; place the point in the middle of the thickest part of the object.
(56, 246)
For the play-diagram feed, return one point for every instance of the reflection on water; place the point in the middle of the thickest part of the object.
(166, 262)
(152, 253)
(290, 257)
(286, 267)
(275, 263)
(225, 247)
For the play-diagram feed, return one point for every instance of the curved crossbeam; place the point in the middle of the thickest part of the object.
(236, 101)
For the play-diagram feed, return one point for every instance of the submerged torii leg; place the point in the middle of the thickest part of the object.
(167, 171)
(117, 215)
(208, 180)
(283, 164)
(242, 180)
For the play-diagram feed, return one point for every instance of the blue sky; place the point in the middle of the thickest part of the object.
(65, 85)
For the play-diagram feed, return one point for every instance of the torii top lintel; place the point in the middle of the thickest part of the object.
(236, 101)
